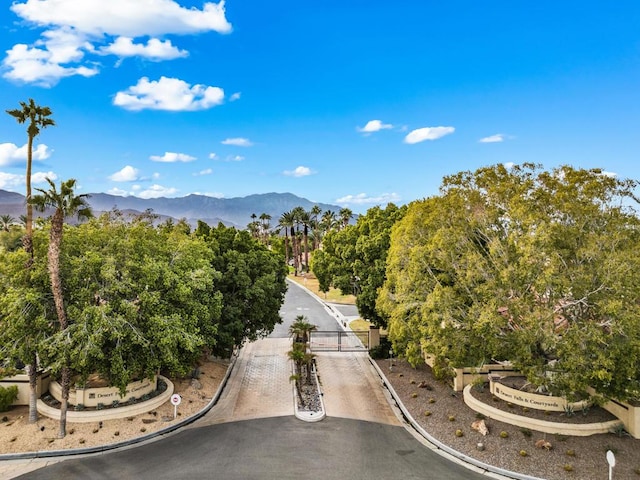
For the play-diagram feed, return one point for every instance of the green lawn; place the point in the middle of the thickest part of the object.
(333, 295)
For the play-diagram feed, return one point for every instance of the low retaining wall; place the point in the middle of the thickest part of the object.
(629, 414)
(86, 416)
(468, 375)
(578, 430)
(22, 382)
(92, 397)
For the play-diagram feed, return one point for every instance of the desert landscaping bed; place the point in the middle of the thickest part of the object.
(17, 435)
(442, 412)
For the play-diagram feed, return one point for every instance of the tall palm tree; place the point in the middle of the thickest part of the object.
(305, 221)
(298, 213)
(315, 213)
(66, 204)
(38, 118)
(265, 225)
(286, 223)
(6, 221)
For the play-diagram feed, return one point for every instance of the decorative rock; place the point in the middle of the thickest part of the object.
(480, 426)
(425, 385)
(195, 383)
(542, 443)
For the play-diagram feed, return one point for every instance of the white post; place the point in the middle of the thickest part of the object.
(611, 460)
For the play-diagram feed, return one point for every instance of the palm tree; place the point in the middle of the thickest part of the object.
(38, 118)
(285, 223)
(6, 221)
(305, 221)
(298, 213)
(345, 216)
(66, 204)
(265, 225)
(315, 213)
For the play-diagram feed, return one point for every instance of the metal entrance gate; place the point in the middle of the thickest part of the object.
(327, 341)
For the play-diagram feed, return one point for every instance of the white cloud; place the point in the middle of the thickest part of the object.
(206, 171)
(172, 157)
(155, 175)
(238, 142)
(228, 158)
(497, 138)
(74, 28)
(11, 154)
(157, 191)
(427, 133)
(299, 172)
(210, 194)
(234, 96)
(364, 199)
(126, 174)
(170, 94)
(374, 126)
(35, 65)
(154, 50)
(124, 17)
(41, 177)
(509, 165)
(118, 191)
(11, 181)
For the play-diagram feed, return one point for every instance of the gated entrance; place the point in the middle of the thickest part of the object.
(339, 341)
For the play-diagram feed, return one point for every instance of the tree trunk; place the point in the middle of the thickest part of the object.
(306, 248)
(64, 405)
(33, 390)
(29, 225)
(55, 240)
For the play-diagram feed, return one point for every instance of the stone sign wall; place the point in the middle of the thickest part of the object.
(533, 400)
(91, 397)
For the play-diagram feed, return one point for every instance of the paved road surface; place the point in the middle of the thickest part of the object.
(252, 433)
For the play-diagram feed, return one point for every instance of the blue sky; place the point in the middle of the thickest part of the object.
(354, 103)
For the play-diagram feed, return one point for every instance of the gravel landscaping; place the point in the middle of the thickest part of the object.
(444, 415)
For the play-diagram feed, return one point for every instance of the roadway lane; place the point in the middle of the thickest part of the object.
(274, 448)
(298, 301)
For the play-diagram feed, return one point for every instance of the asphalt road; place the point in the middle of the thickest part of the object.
(298, 302)
(271, 448)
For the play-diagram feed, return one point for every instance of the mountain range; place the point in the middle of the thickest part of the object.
(234, 212)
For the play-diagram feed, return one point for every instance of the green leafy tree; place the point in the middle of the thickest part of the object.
(354, 259)
(252, 285)
(143, 299)
(523, 265)
(25, 320)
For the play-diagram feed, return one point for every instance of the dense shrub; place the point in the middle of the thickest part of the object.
(7, 397)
